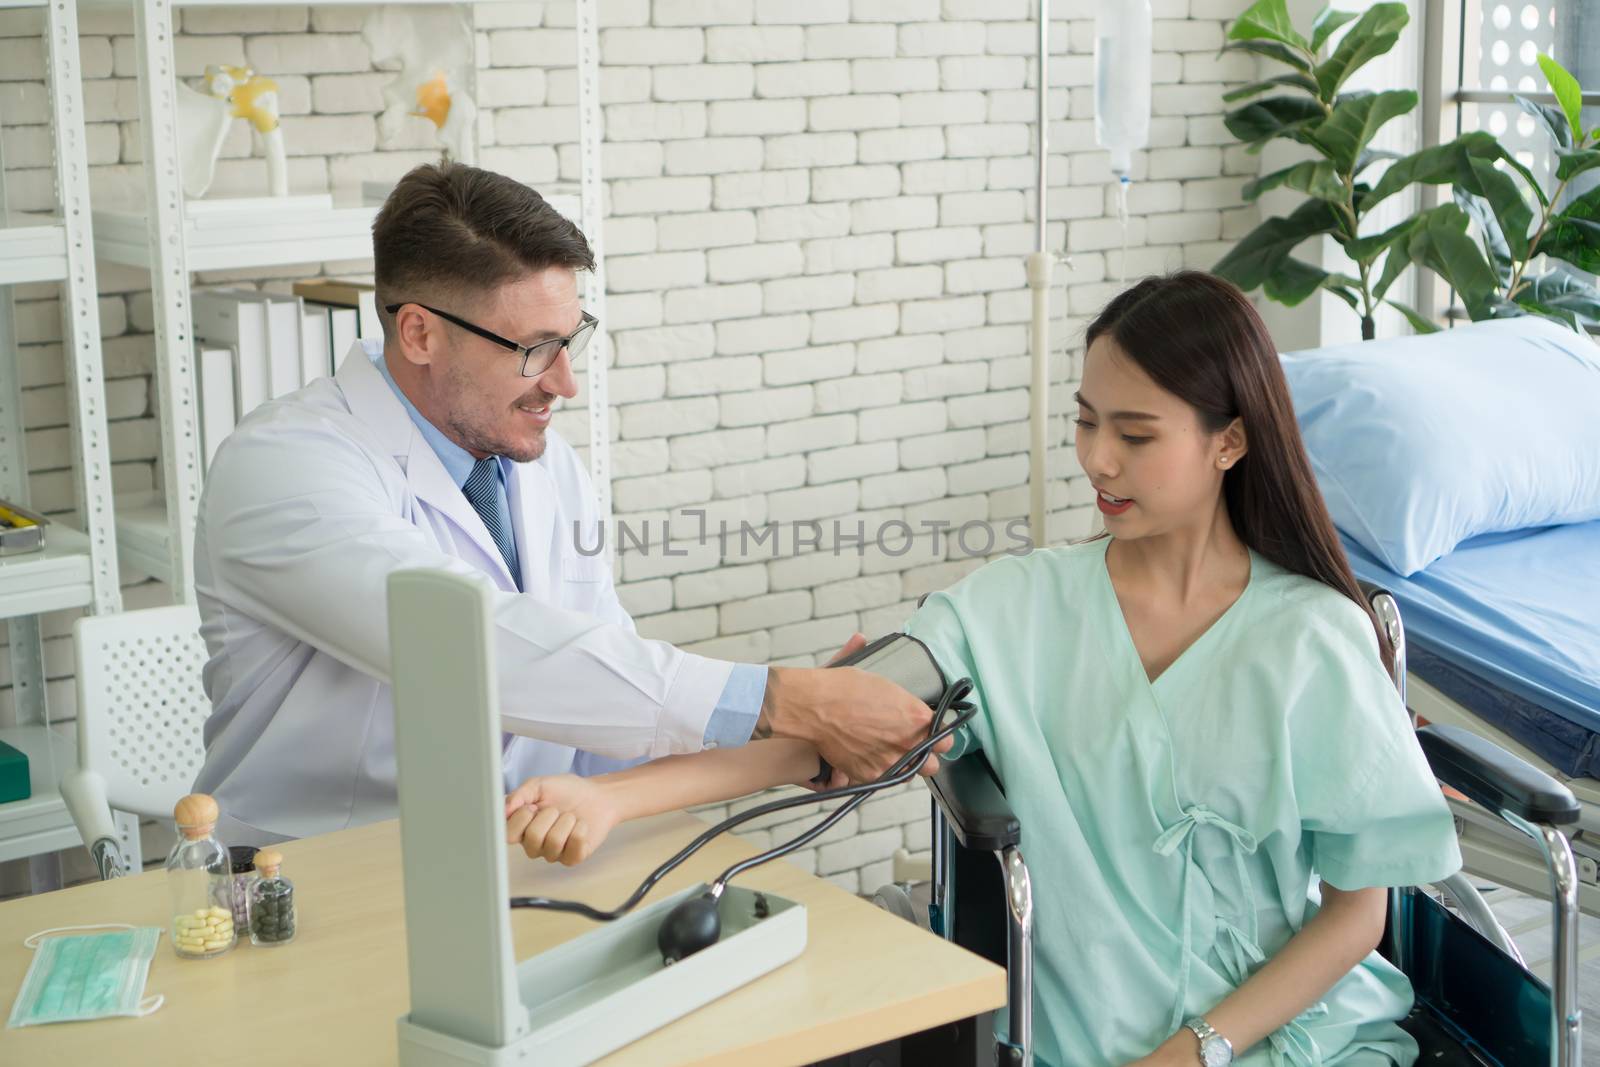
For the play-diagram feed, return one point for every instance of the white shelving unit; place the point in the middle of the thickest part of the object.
(33, 248)
(156, 532)
(78, 567)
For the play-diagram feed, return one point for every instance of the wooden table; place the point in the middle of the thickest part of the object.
(333, 995)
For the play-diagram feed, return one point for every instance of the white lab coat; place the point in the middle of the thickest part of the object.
(308, 506)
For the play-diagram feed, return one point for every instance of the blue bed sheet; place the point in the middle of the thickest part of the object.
(1508, 625)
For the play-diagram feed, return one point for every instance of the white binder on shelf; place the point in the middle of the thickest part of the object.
(341, 331)
(283, 339)
(369, 328)
(214, 366)
(316, 352)
(221, 318)
(358, 298)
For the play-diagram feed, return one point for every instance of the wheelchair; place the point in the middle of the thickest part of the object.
(1477, 1004)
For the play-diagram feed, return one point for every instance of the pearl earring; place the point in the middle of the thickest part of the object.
(1224, 460)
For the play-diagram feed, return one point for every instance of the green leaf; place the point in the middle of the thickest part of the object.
(1575, 161)
(1527, 175)
(1267, 19)
(1369, 156)
(1495, 249)
(1568, 93)
(1276, 116)
(1501, 307)
(1441, 243)
(1374, 33)
(1554, 120)
(1399, 257)
(1365, 249)
(1272, 50)
(1510, 309)
(1295, 81)
(1563, 290)
(1355, 118)
(1326, 22)
(1263, 250)
(1313, 177)
(1293, 281)
(1512, 211)
(1414, 317)
(1433, 166)
(1344, 293)
(1574, 234)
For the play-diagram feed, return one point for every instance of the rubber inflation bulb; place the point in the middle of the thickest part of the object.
(688, 928)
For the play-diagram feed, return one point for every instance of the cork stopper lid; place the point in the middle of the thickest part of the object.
(196, 815)
(268, 861)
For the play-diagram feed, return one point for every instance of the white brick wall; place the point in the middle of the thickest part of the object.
(817, 218)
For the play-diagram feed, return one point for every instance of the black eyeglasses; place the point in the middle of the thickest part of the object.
(536, 358)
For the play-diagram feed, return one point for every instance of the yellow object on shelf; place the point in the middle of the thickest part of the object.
(20, 529)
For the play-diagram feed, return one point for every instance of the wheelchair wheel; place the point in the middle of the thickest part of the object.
(905, 900)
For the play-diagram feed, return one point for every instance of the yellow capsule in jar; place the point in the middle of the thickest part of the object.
(220, 913)
(223, 943)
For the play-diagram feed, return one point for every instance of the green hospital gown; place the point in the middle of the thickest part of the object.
(1174, 829)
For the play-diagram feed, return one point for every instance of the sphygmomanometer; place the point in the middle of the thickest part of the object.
(695, 924)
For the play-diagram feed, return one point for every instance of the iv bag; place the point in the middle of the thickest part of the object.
(1122, 80)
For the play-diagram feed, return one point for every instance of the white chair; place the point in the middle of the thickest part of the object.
(141, 706)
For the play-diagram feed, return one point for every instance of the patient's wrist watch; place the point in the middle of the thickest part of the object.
(1215, 1050)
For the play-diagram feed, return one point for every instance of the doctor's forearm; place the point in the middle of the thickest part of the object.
(676, 782)
(1335, 940)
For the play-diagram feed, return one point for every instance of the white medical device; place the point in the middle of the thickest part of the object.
(471, 1002)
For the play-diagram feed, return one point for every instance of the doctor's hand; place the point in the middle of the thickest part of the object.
(861, 723)
(561, 818)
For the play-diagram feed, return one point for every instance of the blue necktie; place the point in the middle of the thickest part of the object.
(484, 492)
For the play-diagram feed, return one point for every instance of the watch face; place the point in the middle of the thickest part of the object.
(1214, 1052)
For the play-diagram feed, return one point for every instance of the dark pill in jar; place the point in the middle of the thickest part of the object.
(272, 919)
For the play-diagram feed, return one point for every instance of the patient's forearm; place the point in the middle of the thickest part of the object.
(677, 782)
(1337, 938)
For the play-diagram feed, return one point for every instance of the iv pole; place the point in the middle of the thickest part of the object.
(1039, 270)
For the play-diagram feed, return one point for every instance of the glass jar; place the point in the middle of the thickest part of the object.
(200, 882)
(242, 866)
(272, 909)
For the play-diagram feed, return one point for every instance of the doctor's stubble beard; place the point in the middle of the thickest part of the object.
(469, 428)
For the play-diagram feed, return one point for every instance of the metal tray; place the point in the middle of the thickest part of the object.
(15, 540)
(606, 988)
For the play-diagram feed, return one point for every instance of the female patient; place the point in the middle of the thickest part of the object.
(1215, 778)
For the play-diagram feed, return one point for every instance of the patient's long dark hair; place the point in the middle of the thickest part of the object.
(1199, 338)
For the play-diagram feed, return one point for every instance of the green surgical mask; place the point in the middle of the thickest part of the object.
(86, 976)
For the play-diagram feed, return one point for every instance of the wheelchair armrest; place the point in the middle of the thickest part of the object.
(970, 796)
(1494, 778)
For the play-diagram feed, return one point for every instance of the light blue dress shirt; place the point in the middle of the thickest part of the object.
(733, 720)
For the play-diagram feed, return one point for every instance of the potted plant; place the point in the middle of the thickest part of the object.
(1483, 242)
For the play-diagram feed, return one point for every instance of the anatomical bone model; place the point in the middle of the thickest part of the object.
(432, 46)
(204, 117)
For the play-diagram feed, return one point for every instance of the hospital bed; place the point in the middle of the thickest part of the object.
(1504, 636)
(1477, 1003)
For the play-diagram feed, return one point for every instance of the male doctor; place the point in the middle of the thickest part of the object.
(434, 450)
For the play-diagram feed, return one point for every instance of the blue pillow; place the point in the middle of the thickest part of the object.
(1419, 443)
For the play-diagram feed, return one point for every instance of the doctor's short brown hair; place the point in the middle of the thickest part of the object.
(449, 230)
